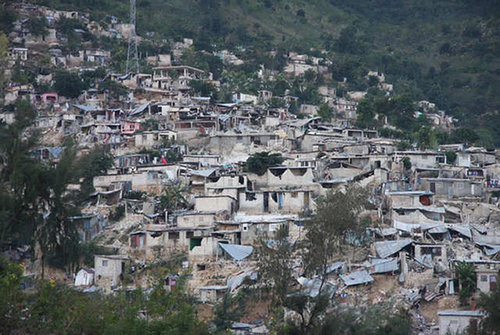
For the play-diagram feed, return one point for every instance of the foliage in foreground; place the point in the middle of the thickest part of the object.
(54, 309)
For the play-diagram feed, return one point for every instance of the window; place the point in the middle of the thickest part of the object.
(484, 278)
(105, 263)
(173, 235)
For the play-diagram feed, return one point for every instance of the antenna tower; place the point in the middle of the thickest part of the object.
(132, 55)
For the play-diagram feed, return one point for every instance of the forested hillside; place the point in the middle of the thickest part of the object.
(445, 51)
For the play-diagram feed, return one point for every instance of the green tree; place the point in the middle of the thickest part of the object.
(93, 164)
(37, 26)
(258, 163)
(466, 275)
(406, 163)
(464, 135)
(451, 156)
(490, 304)
(174, 197)
(22, 178)
(325, 112)
(336, 219)
(275, 258)
(68, 84)
(365, 114)
(231, 308)
(56, 235)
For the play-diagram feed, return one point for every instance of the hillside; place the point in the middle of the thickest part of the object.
(446, 52)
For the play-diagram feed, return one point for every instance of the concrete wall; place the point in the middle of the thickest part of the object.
(404, 200)
(422, 160)
(226, 143)
(208, 248)
(225, 181)
(487, 275)
(278, 202)
(107, 270)
(453, 188)
(454, 324)
(215, 203)
(438, 253)
(195, 220)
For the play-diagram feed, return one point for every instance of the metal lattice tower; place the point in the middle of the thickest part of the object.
(132, 55)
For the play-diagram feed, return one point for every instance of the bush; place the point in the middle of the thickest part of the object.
(451, 156)
(259, 163)
(406, 163)
(117, 214)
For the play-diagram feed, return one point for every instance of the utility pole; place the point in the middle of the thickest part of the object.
(132, 55)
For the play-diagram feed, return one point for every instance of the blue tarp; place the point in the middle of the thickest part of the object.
(237, 251)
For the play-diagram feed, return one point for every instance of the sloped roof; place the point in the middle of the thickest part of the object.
(203, 173)
(357, 278)
(85, 108)
(385, 249)
(139, 109)
(382, 265)
(238, 252)
(461, 229)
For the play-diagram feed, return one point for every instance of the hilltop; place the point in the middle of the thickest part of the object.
(446, 52)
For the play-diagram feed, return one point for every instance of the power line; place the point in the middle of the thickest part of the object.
(132, 55)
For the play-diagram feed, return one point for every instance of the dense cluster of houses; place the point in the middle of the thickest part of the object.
(429, 213)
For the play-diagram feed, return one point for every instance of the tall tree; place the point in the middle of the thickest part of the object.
(336, 219)
(275, 263)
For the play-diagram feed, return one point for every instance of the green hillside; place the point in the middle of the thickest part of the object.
(443, 51)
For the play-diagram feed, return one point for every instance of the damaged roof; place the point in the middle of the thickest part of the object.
(382, 265)
(385, 249)
(357, 278)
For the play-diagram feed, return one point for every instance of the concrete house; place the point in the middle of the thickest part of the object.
(279, 201)
(285, 176)
(451, 187)
(109, 270)
(434, 252)
(487, 276)
(176, 77)
(89, 226)
(202, 160)
(254, 226)
(409, 198)
(225, 142)
(148, 139)
(217, 203)
(195, 219)
(456, 322)
(421, 159)
(161, 240)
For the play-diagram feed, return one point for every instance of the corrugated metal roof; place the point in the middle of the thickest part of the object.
(85, 108)
(462, 229)
(139, 109)
(460, 313)
(238, 252)
(385, 249)
(203, 173)
(357, 278)
(382, 265)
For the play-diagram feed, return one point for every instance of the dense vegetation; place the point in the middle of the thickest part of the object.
(49, 308)
(35, 202)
